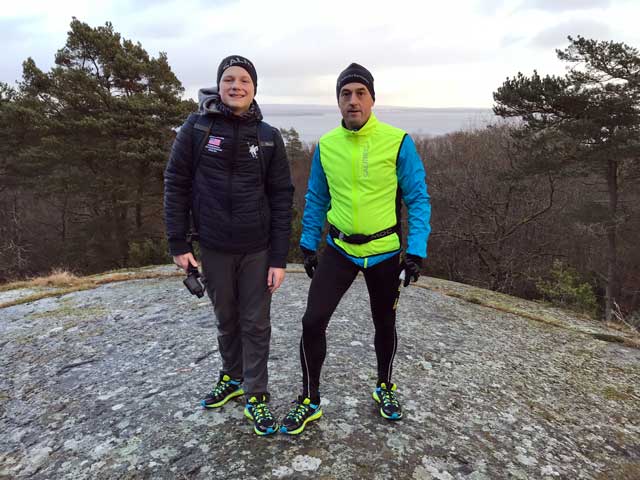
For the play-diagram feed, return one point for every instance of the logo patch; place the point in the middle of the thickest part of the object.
(365, 162)
(253, 150)
(214, 144)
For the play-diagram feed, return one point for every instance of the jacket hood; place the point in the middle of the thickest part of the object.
(208, 99)
(209, 102)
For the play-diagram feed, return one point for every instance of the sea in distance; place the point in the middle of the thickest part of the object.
(312, 121)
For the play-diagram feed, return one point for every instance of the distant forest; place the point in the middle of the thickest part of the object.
(546, 208)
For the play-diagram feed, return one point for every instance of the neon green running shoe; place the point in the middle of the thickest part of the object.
(300, 414)
(389, 406)
(225, 390)
(258, 411)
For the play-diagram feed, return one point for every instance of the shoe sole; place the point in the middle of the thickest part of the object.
(269, 431)
(300, 429)
(234, 394)
(394, 417)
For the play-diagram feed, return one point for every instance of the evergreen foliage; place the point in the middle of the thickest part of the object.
(591, 119)
(566, 289)
(91, 138)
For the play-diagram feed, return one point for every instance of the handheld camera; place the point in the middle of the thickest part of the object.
(195, 282)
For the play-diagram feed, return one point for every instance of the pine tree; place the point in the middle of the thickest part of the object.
(595, 109)
(93, 134)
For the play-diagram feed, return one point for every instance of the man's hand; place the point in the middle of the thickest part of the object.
(275, 277)
(184, 260)
(411, 266)
(310, 261)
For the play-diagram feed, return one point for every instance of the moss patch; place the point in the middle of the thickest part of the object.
(522, 308)
(68, 310)
(612, 393)
(624, 471)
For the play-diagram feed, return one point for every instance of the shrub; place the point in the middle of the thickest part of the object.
(567, 289)
(148, 252)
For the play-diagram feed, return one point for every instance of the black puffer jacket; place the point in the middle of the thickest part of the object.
(241, 196)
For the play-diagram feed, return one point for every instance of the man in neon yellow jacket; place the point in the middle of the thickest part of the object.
(361, 173)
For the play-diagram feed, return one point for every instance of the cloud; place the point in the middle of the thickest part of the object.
(556, 36)
(165, 30)
(299, 49)
(489, 7)
(494, 7)
(512, 39)
(566, 5)
(374, 48)
(15, 30)
(19, 42)
(305, 64)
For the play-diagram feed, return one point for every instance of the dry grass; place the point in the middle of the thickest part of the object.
(622, 327)
(630, 337)
(57, 279)
(633, 342)
(61, 282)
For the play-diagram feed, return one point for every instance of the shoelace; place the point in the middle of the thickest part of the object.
(299, 412)
(220, 388)
(389, 398)
(261, 412)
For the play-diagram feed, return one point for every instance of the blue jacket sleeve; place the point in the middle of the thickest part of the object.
(317, 201)
(412, 180)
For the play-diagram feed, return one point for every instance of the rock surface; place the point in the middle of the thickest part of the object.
(105, 383)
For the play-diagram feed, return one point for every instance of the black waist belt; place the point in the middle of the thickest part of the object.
(359, 238)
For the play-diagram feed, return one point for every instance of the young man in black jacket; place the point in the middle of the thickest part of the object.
(228, 171)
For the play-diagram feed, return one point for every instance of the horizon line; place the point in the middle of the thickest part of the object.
(375, 106)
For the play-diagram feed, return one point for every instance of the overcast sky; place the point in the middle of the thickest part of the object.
(451, 53)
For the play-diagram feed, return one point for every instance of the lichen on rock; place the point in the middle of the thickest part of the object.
(106, 383)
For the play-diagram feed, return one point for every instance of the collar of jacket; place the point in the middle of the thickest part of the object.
(366, 129)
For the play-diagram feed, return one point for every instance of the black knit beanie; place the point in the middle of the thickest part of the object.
(238, 61)
(356, 73)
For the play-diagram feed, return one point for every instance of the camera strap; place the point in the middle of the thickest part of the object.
(206, 128)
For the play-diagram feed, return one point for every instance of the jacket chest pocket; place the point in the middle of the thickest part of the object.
(248, 162)
(219, 161)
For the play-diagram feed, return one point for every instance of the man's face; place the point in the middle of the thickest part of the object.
(355, 104)
(236, 89)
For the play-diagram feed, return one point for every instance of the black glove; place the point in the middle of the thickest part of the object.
(310, 261)
(411, 266)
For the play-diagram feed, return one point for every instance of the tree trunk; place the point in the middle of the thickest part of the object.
(611, 294)
(140, 197)
(63, 218)
(139, 214)
(119, 212)
(123, 239)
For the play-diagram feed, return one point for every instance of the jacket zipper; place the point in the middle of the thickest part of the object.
(234, 155)
(263, 180)
(355, 193)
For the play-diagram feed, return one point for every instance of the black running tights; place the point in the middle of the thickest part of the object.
(332, 278)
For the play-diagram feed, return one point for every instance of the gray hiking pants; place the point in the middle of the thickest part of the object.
(237, 287)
